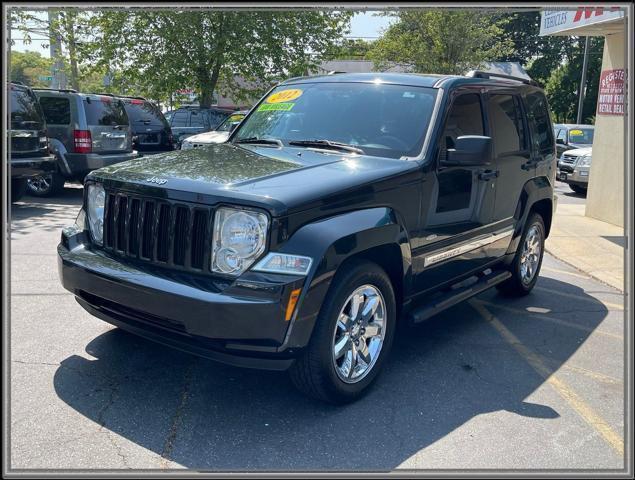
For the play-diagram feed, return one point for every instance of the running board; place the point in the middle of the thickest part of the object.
(458, 295)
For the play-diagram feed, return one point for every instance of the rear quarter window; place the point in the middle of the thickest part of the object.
(180, 119)
(105, 111)
(57, 111)
(538, 114)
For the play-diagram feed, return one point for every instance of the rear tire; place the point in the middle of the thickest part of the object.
(46, 185)
(333, 367)
(525, 267)
(18, 189)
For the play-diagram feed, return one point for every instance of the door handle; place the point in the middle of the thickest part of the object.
(488, 174)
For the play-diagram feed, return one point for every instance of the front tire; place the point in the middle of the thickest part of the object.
(528, 259)
(352, 336)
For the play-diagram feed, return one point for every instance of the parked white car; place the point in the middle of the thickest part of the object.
(574, 167)
(219, 135)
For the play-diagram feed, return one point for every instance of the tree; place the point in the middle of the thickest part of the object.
(27, 67)
(441, 41)
(349, 48)
(160, 51)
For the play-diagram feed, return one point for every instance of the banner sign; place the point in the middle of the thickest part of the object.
(556, 21)
(611, 99)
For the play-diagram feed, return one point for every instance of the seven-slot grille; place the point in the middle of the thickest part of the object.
(569, 159)
(173, 234)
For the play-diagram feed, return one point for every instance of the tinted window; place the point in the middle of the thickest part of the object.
(57, 111)
(507, 124)
(381, 119)
(216, 118)
(180, 119)
(197, 119)
(562, 135)
(581, 135)
(25, 112)
(105, 111)
(143, 113)
(229, 121)
(465, 118)
(538, 115)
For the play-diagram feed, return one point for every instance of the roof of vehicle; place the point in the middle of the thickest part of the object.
(197, 107)
(410, 79)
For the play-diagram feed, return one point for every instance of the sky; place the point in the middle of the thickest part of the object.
(363, 25)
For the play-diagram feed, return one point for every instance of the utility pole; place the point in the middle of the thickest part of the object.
(58, 79)
(582, 88)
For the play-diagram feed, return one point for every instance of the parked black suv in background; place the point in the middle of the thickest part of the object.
(29, 146)
(87, 131)
(190, 120)
(339, 206)
(150, 130)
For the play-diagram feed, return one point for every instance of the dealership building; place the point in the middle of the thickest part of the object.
(605, 198)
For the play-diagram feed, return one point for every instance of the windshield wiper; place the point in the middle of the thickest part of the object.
(260, 141)
(327, 144)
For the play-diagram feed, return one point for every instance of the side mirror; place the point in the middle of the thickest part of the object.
(560, 141)
(469, 151)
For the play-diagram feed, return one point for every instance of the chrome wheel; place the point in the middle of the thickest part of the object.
(530, 255)
(359, 334)
(40, 184)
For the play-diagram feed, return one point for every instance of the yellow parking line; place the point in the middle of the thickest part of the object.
(557, 321)
(614, 306)
(567, 393)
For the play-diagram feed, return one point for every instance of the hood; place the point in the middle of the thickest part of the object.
(279, 179)
(208, 137)
(578, 151)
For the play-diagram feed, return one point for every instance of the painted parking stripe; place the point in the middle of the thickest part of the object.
(594, 420)
(566, 272)
(557, 321)
(614, 306)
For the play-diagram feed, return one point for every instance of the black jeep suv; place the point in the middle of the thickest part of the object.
(341, 205)
(30, 155)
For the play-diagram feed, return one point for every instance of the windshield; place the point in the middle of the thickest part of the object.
(143, 113)
(229, 121)
(583, 136)
(382, 120)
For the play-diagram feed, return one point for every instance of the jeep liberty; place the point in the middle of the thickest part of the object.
(340, 206)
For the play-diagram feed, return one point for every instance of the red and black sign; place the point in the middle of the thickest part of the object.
(611, 100)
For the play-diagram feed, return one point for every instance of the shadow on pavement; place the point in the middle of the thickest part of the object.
(45, 214)
(441, 375)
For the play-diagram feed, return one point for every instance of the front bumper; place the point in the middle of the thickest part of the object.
(240, 323)
(574, 176)
(32, 166)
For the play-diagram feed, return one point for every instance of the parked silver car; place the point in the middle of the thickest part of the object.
(87, 131)
(574, 167)
(219, 135)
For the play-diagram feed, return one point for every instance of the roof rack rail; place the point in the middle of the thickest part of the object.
(481, 74)
(132, 96)
(334, 72)
(102, 94)
(18, 82)
(70, 90)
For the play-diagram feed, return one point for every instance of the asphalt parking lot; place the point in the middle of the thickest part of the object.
(494, 383)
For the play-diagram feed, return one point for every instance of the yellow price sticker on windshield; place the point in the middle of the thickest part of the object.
(284, 95)
(576, 133)
(236, 118)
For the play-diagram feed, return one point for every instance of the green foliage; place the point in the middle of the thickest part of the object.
(159, 51)
(441, 41)
(349, 49)
(26, 67)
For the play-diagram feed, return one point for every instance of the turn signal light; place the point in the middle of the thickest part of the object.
(293, 300)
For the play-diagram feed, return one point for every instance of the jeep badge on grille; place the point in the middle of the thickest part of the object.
(158, 181)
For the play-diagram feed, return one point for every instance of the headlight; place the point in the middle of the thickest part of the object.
(584, 161)
(95, 207)
(239, 239)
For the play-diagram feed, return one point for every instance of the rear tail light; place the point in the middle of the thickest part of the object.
(83, 141)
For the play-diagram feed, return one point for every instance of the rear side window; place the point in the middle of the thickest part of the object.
(180, 119)
(144, 113)
(25, 112)
(197, 119)
(538, 114)
(507, 123)
(216, 118)
(57, 111)
(105, 111)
